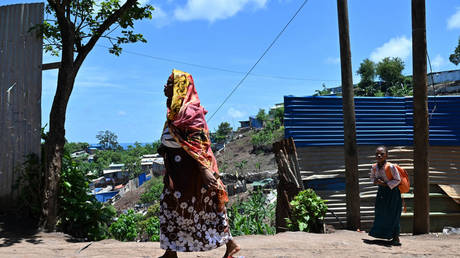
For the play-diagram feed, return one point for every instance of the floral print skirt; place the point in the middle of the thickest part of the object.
(192, 224)
(190, 220)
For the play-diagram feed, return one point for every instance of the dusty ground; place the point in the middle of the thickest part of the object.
(291, 244)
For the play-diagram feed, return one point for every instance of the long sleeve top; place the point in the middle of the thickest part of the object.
(377, 173)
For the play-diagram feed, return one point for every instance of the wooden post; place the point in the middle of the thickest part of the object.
(349, 122)
(421, 182)
(289, 183)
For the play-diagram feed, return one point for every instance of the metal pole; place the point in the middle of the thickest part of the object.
(349, 121)
(421, 182)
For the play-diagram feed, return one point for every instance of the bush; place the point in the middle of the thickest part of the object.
(264, 139)
(30, 184)
(151, 228)
(252, 217)
(308, 211)
(126, 228)
(80, 214)
(154, 190)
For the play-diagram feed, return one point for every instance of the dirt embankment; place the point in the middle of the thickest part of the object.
(238, 157)
(290, 244)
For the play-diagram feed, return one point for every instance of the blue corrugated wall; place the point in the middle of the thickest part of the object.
(318, 120)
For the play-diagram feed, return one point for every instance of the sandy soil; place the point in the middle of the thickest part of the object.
(291, 244)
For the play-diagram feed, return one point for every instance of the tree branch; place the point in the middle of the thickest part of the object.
(99, 32)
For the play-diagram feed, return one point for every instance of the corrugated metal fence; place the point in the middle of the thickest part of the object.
(20, 91)
(316, 124)
(318, 121)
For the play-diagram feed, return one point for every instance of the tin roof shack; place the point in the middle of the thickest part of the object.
(152, 164)
(316, 124)
(116, 174)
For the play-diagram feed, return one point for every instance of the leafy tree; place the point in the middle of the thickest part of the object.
(108, 140)
(72, 32)
(261, 115)
(324, 91)
(277, 113)
(223, 132)
(455, 57)
(389, 71)
(367, 86)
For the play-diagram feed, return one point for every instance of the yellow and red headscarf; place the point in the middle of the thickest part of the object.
(187, 123)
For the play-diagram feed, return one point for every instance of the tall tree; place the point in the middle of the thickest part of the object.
(367, 86)
(389, 71)
(455, 57)
(223, 132)
(108, 140)
(72, 32)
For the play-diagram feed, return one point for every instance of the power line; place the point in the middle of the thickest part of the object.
(260, 58)
(214, 68)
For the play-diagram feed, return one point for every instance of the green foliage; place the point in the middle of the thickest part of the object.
(455, 57)
(323, 92)
(255, 216)
(126, 228)
(367, 70)
(108, 140)
(277, 113)
(72, 147)
(80, 214)
(154, 189)
(150, 225)
(389, 71)
(88, 19)
(223, 132)
(261, 115)
(30, 185)
(308, 211)
(272, 131)
(392, 82)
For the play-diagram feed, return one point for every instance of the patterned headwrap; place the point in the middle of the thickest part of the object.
(187, 123)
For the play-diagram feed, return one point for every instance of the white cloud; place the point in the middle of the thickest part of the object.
(438, 61)
(234, 113)
(212, 10)
(159, 17)
(121, 113)
(396, 47)
(332, 60)
(453, 22)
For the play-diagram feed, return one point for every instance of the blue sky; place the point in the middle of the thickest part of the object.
(124, 94)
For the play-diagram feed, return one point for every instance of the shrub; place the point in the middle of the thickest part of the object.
(251, 217)
(151, 228)
(308, 211)
(126, 228)
(80, 214)
(30, 184)
(154, 190)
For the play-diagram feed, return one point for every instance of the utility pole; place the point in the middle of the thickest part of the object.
(421, 144)
(349, 121)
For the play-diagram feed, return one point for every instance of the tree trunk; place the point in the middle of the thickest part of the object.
(54, 144)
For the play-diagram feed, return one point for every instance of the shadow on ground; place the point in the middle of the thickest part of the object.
(14, 229)
(377, 242)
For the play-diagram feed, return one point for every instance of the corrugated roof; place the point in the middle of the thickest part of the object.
(318, 120)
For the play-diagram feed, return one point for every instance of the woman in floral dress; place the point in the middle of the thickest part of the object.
(192, 213)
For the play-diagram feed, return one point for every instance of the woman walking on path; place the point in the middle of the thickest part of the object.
(388, 202)
(192, 213)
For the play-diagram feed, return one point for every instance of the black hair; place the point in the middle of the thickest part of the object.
(383, 147)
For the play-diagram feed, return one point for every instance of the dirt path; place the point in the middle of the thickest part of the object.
(291, 244)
